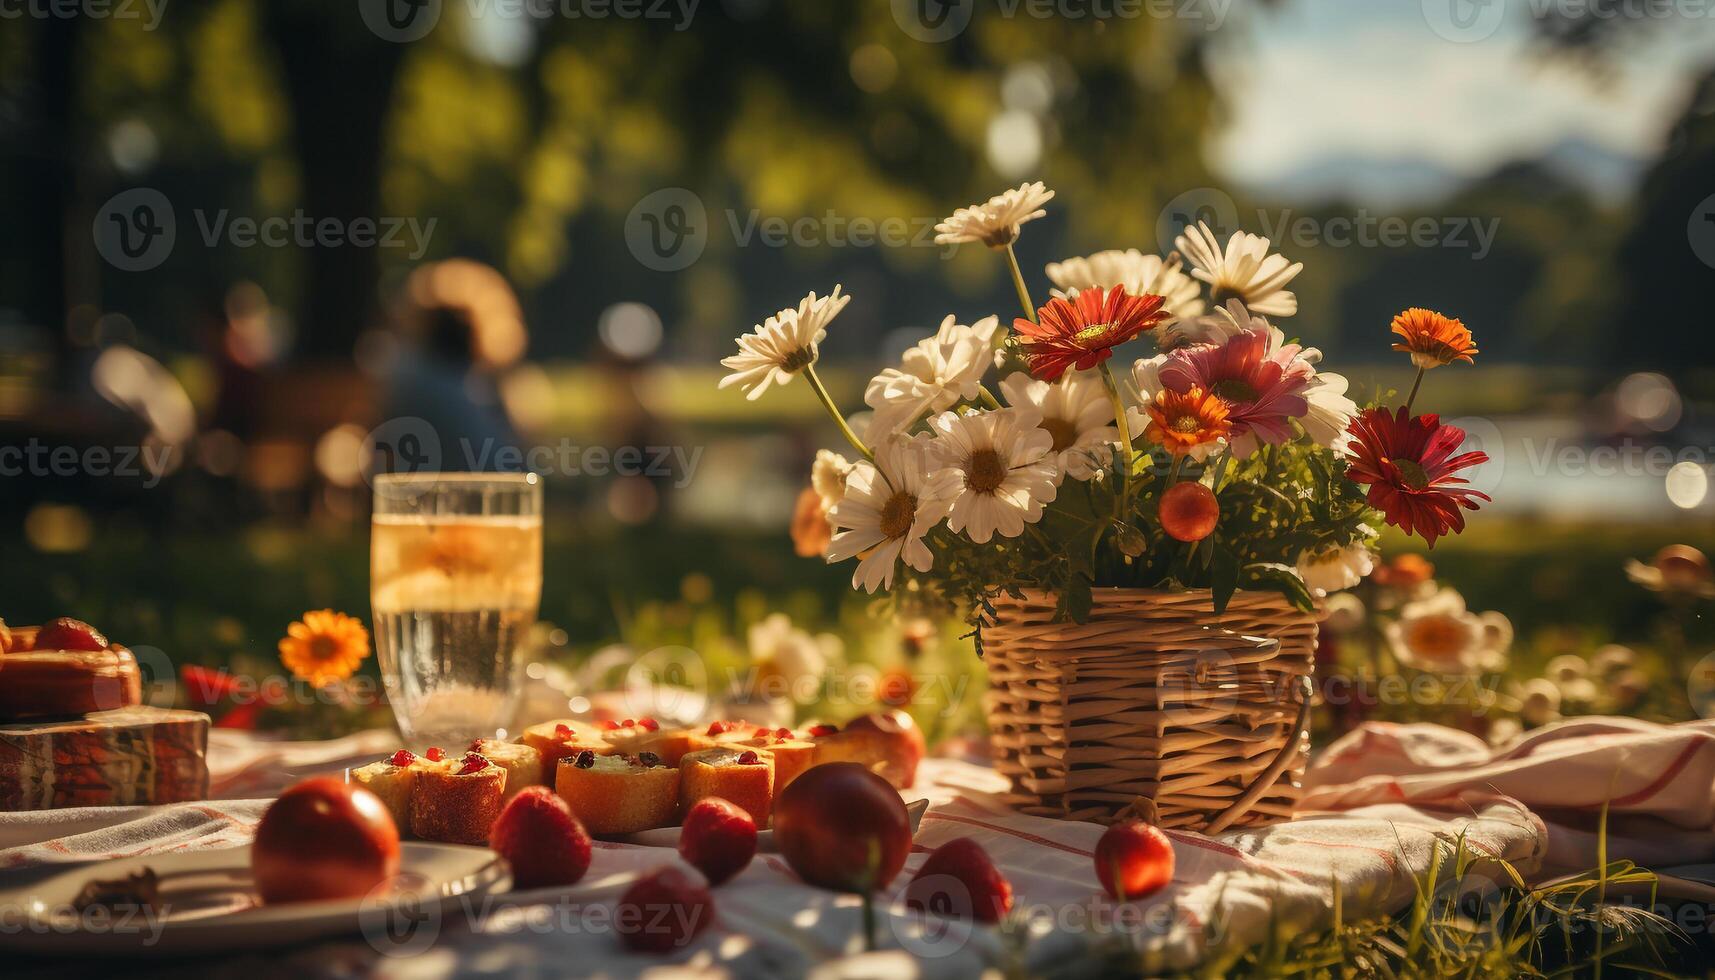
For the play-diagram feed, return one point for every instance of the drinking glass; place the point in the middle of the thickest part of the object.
(455, 577)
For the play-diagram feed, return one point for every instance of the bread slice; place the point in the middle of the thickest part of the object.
(615, 794)
(717, 772)
(395, 785)
(456, 807)
(791, 756)
(556, 740)
(523, 764)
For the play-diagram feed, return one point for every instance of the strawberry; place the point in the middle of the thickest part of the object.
(538, 835)
(1134, 860)
(66, 633)
(959, 880)
(718, 839)
(662, 911)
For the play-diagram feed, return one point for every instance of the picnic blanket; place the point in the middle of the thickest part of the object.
(1376, 803)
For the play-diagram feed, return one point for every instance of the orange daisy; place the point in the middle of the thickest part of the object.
(1432, 339)
(324, 647)
(1188, 423)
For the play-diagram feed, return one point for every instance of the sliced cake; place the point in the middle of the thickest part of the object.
(617, 794)
(457, 802)
(742, 776)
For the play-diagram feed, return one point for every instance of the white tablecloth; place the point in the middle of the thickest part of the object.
(1376, 802)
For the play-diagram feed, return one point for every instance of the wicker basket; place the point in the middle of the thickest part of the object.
(1154, 706)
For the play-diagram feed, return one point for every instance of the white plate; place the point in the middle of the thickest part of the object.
(210, 904)
(669, 836)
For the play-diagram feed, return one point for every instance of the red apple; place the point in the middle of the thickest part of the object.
(1189, 511)
(842, 827)
(323, 839)
(1134, 860)
(901, 743)
(66, 633)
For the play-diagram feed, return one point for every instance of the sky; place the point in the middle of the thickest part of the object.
(1391, 79)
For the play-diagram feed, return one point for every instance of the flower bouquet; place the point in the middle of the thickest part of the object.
(1139, 550)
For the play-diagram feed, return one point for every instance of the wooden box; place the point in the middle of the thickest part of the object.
(122, 757)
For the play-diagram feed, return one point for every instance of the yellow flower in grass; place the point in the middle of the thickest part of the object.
(323, 647)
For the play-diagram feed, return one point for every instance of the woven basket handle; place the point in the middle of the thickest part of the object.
(1266, 779)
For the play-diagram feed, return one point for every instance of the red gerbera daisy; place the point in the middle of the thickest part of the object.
(1083, 332)
(1408, 464)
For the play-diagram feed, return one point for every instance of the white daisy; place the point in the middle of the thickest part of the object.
(1077, 414)
(1003, 470)
(782, 345)
(1244, 270)
(995, 222)
(779, 647)
(1137, 272)
(1335, 569)
(888, 506)
(932, 376)
(828, 476)
(1439, 634)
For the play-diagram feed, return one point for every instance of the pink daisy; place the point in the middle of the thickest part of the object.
(1263, 390)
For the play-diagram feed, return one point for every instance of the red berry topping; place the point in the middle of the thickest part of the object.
(403, 757)
(718, 838)
(650, 725)
(434, 754)
(959, 880)
(719, 727)
(1134, 860)
(585, 759)
(66, 633)
(540, 838)
(562, 731)
(783, 733)
(472, 763)
(662, 911)
(820, 730)
(748, 758)
(609, 725)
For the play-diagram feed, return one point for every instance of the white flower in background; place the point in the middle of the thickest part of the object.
(1502, 731)
(1004, 470)
(888, 506)
(1076, 413)
(1244, 270)
(1137, 272)
(1335, 569)
(783, 345)
(777, 647)
(1539, 702)
(828, 476)
(995, 222)
(1345, 612)
(933, 375)
(1439, 635)
(1612, 659)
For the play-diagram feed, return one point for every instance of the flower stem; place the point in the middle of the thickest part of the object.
(828, 403)
(1018, 283)
(1124, 496)
(988, 397)
(1416, 384)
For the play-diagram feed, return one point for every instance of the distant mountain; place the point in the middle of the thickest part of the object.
(1400, 182)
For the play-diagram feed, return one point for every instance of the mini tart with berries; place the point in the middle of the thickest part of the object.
(456, 802)
(791, 754)
(523, 764)
(618, 794)
(742, 776)
(394, 780)
(564, 739)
